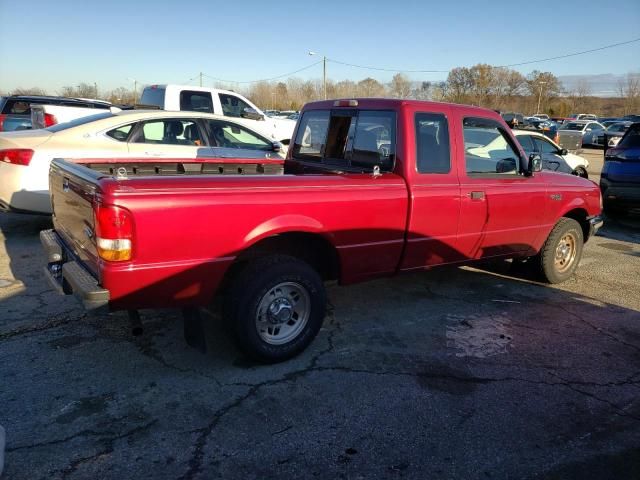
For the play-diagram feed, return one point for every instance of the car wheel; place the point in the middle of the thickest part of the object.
(581, 172)
(275, 307)
(561, 253)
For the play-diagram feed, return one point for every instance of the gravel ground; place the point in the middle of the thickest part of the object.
(470, 373)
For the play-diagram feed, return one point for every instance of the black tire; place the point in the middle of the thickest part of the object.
(581, 172)
(252, 285)
(556, 265)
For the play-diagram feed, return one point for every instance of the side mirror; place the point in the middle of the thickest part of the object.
(276, 147)
(564, 151)
(252, 114)
(535, 164)
(588, 130)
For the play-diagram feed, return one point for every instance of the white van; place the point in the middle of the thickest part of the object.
(221, 102)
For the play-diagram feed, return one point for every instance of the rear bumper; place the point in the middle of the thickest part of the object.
(623, 195)
(67, 276)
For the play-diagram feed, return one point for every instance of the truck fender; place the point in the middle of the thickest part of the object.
(283, 224)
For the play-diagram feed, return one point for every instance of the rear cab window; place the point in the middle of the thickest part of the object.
(488, 149)
(347, 139)
(153, 96)
(193, 101)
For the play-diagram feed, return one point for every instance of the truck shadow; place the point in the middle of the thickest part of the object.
(163, 330)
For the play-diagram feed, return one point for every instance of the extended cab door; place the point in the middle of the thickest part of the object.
(501, 208)
(434, 189)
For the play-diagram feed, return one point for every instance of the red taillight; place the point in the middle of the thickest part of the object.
(16, 156)
(2, 117)
(114, 232)
(49, 119)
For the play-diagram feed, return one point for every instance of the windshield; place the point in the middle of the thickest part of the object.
(618, 127)
(573, 126)
(78, 121)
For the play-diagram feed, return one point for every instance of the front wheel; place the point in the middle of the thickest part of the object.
(581, 172)
(275, 307)
(561, 253)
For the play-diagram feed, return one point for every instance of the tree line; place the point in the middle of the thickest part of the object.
(483, 85)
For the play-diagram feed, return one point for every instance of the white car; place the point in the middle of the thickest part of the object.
(219, 102)
(25, 155)
(553, 156)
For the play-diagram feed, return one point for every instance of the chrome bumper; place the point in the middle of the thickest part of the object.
(595, 223)
(69, 277)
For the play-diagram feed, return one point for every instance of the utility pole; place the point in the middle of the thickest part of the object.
(95, 85)
(324, 74)
(200, 78)
(540, 97)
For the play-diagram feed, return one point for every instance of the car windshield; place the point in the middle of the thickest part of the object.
(78, 121)
(573, 126)
(617, 127)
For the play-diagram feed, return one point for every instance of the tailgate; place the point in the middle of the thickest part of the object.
(73, 189)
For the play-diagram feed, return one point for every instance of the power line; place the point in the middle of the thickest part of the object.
(264, 79)
(382, 69)
(571, 54)
(386, 69)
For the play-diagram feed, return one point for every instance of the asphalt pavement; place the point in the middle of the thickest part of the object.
(469, 373)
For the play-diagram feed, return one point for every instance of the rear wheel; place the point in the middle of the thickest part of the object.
(562, 251)
(275, 307)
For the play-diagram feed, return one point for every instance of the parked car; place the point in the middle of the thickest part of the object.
(513, 119)
(589, 130)
(15, 110)
(614, 133)
(372, 187)
(25, 156)
(542, 116)
(620, 177)
(220, 102)
(554, 157)
(582, 116)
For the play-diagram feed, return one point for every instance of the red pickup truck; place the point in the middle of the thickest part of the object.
(371, 188)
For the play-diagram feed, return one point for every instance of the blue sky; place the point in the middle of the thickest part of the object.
(55, 43)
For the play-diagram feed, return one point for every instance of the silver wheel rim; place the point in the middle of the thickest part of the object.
(282, 313)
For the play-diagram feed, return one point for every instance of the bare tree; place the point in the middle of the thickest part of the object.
(400, 86)
(28, 91)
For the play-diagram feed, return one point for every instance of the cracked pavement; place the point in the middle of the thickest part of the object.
(470, 373)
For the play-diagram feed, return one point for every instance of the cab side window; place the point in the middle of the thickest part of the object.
(232, 106)
(432, 143)
(488, 149)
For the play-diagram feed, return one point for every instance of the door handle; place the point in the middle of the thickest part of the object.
(153, 154)
(476, 195)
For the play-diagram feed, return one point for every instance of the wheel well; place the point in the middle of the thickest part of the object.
(311, 248)
(580, 216)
